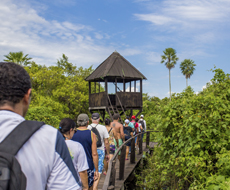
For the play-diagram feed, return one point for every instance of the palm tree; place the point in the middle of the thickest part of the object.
(170, 59)
(18, 57)
(187, 69)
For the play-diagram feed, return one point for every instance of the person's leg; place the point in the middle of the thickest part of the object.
(127, 152)
(135, 141)
(101, 155)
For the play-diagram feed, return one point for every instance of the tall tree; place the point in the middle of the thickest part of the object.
(18, 57)
(187, 69)
(67, 67)
(169, 59)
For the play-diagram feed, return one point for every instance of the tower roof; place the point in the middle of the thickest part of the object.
(115, 66)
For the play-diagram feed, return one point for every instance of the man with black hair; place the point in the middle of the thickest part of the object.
(44, 158)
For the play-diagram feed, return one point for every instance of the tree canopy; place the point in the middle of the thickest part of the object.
(187, 68)
(58, 91)
(18, 57)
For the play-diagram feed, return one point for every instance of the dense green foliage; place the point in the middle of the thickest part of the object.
(58, 91)
(194, 147)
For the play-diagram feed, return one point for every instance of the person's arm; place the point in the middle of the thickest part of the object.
(122, 133)
(106, 141)
(131, 131)
(95, 156)
(141, 128)
(84, 179)
(81, 162)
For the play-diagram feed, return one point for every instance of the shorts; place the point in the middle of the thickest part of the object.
(111, 149)
(101, 156)
(90, 177)
(120, 143)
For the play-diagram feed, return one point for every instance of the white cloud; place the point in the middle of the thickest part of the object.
(186, 13)
(23, 29)
(153, 58)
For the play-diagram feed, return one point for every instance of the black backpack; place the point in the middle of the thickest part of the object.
(127, 134)
(11, 175)
(95, 131)
(142, 124)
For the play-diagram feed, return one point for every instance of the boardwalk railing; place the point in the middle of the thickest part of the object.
(109, 183)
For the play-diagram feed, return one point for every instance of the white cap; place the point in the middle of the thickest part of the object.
(126, 121)
(142, 116)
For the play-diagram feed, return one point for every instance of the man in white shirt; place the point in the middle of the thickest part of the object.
(105, 143)
(143, 123)
(44, 158)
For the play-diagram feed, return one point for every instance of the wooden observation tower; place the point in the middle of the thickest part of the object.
(123, 78)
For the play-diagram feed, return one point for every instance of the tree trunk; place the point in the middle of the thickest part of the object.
(169, 85)
(186, 82)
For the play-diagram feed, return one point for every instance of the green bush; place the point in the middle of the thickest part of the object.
(194, 147)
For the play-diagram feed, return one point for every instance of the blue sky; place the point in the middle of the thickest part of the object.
(89, 31)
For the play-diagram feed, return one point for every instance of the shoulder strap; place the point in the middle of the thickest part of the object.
(110, 130)
(17, 138)
(94, 127)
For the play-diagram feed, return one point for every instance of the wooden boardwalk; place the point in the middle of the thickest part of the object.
(128, 168)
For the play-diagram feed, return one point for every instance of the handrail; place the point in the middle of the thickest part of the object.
(109, 182)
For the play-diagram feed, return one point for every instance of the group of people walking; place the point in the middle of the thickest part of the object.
(76, 157)
(91, 146)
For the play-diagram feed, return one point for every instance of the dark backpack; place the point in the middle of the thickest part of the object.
(11, 175)
(95, 131)
(127, 134)
(142, 124)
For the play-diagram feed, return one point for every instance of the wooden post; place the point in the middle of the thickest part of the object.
(130, 84)
(106, 86)
(132, 155)
(135, 86)
(89, 94)
(147, 139)
(116, 85)
(140, 144)
(122, 163)
(113, 174)
(106, 92)
(89, 87)
(123, 85)
(141, 91)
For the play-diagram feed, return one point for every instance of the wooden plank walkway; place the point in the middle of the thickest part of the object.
(128, 168)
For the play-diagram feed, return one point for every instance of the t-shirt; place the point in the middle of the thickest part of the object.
(130, 125)
(102, 131)
(44, 158)
(78, 155)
